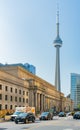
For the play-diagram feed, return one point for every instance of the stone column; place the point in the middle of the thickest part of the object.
(35, 99)
(41, 102)
(38, 101)
(31, 98)
(44, 102)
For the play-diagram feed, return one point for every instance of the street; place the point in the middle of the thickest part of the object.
(58, 123)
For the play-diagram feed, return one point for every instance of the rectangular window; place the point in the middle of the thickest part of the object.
(26, 100)
(19, 99)
(19, 91)
(15, 99)
(11, 89)
(10, 106)
(6, 97)
(6, 88)
(0, 106)
(11, 98)
(15, 90)
(0, 96)
(0, 86)
(6, 107)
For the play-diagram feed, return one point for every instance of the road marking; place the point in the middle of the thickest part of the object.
(67, 129)
(45, 124)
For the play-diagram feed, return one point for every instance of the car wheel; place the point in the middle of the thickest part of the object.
(33, 120)
(26, 121)
(16, 122)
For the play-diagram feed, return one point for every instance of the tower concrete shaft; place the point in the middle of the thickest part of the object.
(57, 70)
(57, 44)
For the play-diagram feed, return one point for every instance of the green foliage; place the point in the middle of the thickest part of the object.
(79, 106)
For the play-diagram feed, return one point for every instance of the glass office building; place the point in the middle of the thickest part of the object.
(75, 89)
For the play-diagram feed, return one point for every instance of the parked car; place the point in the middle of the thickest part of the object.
(46, 116)
(15, 114)
(62, 114)
(70, 114)
(76, 115)
(25, 117)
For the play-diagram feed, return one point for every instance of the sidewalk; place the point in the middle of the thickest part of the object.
(2, 120)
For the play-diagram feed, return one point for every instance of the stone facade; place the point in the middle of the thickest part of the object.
(18, 87)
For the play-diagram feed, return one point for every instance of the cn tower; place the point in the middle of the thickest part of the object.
(57, 44)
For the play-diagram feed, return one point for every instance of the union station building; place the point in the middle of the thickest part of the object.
(19, 87)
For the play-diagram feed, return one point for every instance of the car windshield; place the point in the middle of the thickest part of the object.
(17, 113)
(23, 114)
(61, 113)
(77, 112)
(44, 113)
(68, 113)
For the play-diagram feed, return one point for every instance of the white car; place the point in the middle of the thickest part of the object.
(69, 114)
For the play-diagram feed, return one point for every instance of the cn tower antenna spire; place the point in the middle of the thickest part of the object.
(57, 12)
(57, 20)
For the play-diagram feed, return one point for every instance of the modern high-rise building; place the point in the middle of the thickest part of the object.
(57, 44)
(75, 89)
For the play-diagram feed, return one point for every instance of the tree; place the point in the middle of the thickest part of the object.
(79, 106)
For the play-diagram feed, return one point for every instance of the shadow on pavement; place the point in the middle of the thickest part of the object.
(3, 128)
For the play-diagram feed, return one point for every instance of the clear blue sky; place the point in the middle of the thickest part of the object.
(27, 32)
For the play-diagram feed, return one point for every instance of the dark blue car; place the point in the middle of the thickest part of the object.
(46, 116)
(62, 114)
(76, 115)
(25, 117)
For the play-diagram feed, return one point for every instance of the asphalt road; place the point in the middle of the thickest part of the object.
(58, 123)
